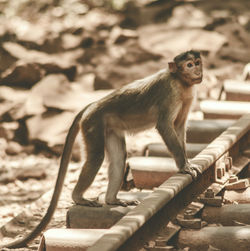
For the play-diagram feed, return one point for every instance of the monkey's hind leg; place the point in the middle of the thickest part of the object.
(116, 150)
(94, 143)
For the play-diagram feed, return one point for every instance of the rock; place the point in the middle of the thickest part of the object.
(50, 127)
(8, 130)
(53, 63)
(70, 41)
(52, 44)
(136, 54)
(160, 39)
(101, 84)
(12, 95)
(4, 144)
(26, 75)
(22, 75)
(145, 12)
(87, 81)
(119, 75)
(29, 149)
(87, 42)
(97, 19)
(95, 56)
(235, 54)
(13, 148)
(188, 16)
(57, 149)
(31, 172)
(30, 34)
(7, 59)
(52, 68)
(23, 172)
(118, 65)
(53, 91)
(119, 35)
(238, 37)
(38, 37)
(23, 110)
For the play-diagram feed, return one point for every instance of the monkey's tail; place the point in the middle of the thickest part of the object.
(70, 139)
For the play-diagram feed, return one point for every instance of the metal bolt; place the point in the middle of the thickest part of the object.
(209, 193)
(228, 163)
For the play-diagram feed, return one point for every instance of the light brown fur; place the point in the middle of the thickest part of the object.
(162, 100)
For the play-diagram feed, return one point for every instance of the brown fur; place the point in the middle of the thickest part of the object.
(162, 100)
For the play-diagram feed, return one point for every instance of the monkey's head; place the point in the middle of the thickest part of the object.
(187, 67)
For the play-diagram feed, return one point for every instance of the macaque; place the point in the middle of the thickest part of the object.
(162, 100)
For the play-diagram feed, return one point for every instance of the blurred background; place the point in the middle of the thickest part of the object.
(56, 56)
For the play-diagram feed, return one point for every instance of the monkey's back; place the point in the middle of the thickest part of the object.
(135, 106)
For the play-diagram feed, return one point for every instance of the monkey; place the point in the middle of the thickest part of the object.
(162, 100)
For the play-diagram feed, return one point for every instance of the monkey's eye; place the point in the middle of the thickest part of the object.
(189, 65)
(197, 63)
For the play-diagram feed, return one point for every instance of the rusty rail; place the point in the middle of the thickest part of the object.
(155, 211)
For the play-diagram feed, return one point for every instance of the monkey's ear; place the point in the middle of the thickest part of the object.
(172, 67)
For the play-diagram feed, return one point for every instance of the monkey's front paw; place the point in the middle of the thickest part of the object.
(192, 169)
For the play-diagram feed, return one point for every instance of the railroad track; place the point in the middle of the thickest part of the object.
(143, 223)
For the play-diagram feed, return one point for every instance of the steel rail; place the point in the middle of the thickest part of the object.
(155, 211)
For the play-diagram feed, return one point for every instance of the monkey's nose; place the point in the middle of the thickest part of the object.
(198, 73)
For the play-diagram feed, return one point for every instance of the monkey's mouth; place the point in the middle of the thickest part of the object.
(197, 80)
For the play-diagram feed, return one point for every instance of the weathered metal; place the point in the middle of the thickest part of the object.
(139, 225)
(155, 211)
